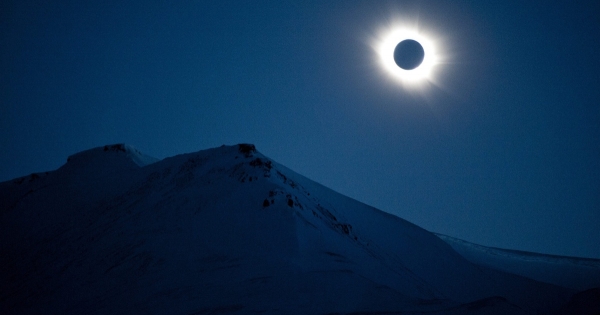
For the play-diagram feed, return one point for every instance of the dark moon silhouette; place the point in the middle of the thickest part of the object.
(409, 54)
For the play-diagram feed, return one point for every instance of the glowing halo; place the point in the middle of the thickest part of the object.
(385, 45)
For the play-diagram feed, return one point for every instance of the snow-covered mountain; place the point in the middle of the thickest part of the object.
(228, 230)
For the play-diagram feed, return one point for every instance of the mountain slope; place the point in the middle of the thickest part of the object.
(571, 272)
(226, 230)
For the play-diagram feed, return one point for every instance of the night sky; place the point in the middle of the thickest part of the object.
(501, 146)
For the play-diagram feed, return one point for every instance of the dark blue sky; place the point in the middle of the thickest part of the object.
(503, 150)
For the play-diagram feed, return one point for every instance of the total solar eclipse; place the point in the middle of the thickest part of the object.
(409, 54)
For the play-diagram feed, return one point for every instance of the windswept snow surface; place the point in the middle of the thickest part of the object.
(570, 272)
(227, 230)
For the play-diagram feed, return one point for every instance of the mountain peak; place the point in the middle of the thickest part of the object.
(111, 152)
(247, 149)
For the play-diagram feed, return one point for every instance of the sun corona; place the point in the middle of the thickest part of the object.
(385, 45)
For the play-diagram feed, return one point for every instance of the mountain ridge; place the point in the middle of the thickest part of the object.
(577, 273)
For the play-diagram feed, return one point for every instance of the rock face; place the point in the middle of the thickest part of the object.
(227, 230)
